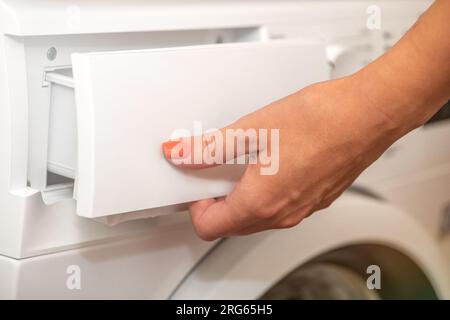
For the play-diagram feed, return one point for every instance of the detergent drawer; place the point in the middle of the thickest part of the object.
(110, 112)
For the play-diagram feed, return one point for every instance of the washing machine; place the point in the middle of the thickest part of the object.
(89, 207)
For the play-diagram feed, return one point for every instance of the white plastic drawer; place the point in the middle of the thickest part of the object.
(127, 103)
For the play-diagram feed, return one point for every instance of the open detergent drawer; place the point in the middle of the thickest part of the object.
(111, 111)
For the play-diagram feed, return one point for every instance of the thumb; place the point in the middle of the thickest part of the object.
(215, 148)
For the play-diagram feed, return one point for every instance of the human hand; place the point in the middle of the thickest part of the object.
(328, 134)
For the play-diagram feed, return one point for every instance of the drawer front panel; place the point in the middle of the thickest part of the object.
(128, 103)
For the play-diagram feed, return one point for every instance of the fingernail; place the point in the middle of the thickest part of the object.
(174, 149)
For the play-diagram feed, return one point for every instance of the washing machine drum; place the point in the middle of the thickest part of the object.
(322, 281)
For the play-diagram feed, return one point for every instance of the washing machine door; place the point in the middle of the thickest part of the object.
(359, 234)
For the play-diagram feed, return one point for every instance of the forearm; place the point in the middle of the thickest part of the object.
(412, 81)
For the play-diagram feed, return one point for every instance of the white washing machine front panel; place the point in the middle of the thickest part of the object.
(246, 267)
(41, 235)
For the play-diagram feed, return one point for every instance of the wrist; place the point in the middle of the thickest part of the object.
(410, 83)
(381, 87)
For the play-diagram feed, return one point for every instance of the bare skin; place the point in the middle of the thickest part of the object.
(332, 131)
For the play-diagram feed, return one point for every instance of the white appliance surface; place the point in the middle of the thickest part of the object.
(46, 184)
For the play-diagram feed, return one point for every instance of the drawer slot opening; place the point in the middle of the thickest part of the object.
(62, 150)
(62, 137)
